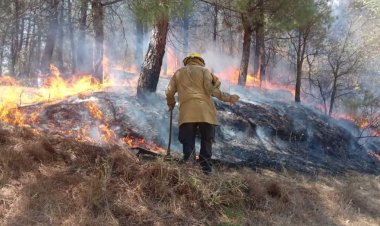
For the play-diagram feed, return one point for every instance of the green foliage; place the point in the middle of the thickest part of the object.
(298, 14)
(285, 15)
(152, 10)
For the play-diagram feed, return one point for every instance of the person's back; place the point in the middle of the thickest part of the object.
(195, 86)
(195, 102)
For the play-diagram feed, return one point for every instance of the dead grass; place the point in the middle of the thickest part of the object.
(62, 182)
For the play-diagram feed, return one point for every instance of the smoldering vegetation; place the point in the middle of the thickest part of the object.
(261, 134)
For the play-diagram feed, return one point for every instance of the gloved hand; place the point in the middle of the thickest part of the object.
(216, 82)
(234, 98)
(171, 105)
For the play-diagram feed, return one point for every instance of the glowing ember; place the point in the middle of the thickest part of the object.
(94, 111)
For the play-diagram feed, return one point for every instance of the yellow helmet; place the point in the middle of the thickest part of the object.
(193, 55)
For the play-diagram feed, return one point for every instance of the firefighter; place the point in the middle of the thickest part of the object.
(195, 86)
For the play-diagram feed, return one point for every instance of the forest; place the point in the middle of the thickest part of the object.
(84, 125)
(326, 52)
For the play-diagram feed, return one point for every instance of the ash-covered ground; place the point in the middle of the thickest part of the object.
(257, 132)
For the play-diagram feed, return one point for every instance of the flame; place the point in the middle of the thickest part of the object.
(134, 142)
(107, 135)
(363, 123)
(94, 111)
(54, 87)
(231, 74)
(173, 63)
(8, 81)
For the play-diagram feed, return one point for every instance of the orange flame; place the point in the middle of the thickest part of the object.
(134, 142)
(14, 95)
(107, 135)
(231, 74)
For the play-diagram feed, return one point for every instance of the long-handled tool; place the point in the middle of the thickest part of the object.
(170, 132)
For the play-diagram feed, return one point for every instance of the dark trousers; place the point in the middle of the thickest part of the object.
(187, 134)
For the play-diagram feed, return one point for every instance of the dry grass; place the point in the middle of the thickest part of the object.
(62, 182)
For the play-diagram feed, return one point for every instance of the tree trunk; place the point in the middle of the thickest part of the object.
(33, 44)
(60, 39)
(2, 47)
(51, 37)
(139, 51)
(15, 37)
(28, 46)
(247, 39)
(2, 54)
(333, 95)
(150, 71)
(185, 33)
(298, 82)
(83, 64)
(71, 31)
(259, 60)
(1, 59)
(300, 58)
(215, 32)
(39, 43)
(98, 17)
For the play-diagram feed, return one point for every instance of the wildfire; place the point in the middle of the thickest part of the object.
(231, 74)
(173, 63)
(362, 123)
(54, 87)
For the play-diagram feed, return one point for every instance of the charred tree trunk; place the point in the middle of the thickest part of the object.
(150, 71)
(15, 37)
(51, 37)
(1, 60)
(39, 43)
(60, 39)
(27, 46)
(98, 17)
(247, 39)
(298, 82)
(333, 94)
(2, 46)
(72, 43)
(82, 61)
(259, 59)
(301, 48)
(31, 49)
(215, 32)
(231, 35)
(139, 51)
(1, 56)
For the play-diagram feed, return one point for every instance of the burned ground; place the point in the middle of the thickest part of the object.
(273, 135)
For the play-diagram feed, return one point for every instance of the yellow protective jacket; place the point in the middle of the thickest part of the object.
(195, 86)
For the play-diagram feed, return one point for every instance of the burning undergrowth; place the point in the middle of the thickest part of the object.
(260, 133)
(70, 161)
(48, 180)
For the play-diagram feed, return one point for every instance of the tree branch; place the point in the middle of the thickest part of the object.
(221, 6)
(111, 2)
